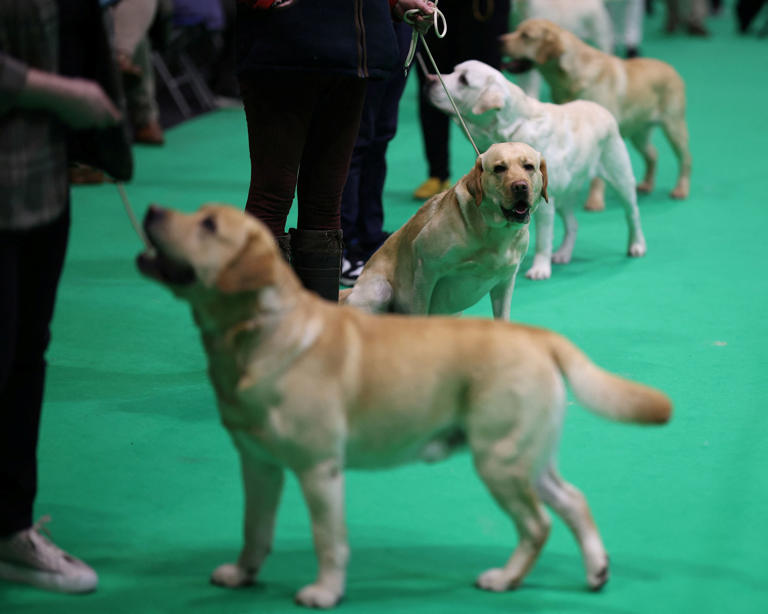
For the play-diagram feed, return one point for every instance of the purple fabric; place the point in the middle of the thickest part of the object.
(195, 12)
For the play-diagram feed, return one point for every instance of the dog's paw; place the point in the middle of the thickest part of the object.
(496, 580)
(597, 579)
(539, 272)
(231, 575)
(317, 596)
(679, 193)
(562, 256)
(645, 187)
(637, 249)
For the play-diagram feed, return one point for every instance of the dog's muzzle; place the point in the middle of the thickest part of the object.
(520, 211)
(519, 65)
(156, 264)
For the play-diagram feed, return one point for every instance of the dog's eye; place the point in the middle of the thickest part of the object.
(209, 223)
(463, 79)
(499, 168)
(529, 167)
(525, 35)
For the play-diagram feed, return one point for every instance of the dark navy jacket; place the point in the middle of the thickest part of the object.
(352, 37)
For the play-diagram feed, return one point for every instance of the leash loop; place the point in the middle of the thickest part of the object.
(438, 18)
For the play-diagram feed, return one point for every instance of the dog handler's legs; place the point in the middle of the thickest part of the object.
(596, 198)
(323, 488)
(263, 485)
(542, 259)
(516, 496)
(565, 210)
(570, 504)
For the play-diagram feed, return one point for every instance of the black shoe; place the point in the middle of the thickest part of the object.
(350, 270)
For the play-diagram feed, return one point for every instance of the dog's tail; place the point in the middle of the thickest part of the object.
(605, 393)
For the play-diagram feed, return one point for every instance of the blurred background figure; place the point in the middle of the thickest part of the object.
(474, 27)
(362, 208)
(746, 11)
(627, 17)
(38, 109)
(688, 14)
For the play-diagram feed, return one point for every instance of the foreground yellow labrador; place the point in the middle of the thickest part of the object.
(306, 385)
(461, 244)
(640, 92)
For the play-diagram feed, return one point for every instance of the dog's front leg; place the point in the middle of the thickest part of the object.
(263, 484)
(323, 488)
(542, 259)
(423, 287)
(501, 298)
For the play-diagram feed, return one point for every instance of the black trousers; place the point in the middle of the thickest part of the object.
(474, 27)
(30, 268)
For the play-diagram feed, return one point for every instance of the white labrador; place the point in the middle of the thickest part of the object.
(580, 140)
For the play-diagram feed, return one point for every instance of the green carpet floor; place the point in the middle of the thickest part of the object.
(143, 483)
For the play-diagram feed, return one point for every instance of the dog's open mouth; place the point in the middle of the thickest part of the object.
(519, 212)
(518, 65)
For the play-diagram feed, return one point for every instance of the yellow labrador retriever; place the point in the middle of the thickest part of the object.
(461, 244)
(306, 385)
(640, 92)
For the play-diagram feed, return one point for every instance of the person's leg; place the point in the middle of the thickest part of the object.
(30, 266)
(278, 107)
(132, 20)
(141, 98)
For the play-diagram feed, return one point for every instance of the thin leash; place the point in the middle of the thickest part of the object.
(132, 217)
(441, 29)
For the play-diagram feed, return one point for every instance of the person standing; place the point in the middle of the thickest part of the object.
(37, 107)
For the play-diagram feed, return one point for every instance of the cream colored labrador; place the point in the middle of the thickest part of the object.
(579, 140)
(641, 92)
(315, 388)
(461, 244)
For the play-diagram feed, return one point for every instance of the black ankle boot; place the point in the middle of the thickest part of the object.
(316, 258)
(284, 243)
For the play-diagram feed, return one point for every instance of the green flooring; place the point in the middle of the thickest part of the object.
(143, 483)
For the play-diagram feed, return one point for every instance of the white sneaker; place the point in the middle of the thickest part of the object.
(350, 270)
(29, 558)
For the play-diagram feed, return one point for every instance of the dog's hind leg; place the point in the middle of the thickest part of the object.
(263, 484)
(516, 496)
(323, 488)
(616, 169)
(565, 211)
(569, 503)
(642, 142)
(676, 132)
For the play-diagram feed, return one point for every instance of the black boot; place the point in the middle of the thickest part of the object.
(284, 243)
(316, 258)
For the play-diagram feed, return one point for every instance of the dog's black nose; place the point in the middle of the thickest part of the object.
(520, 188)
(154, 213)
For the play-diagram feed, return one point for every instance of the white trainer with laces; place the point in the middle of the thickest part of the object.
(30, 558)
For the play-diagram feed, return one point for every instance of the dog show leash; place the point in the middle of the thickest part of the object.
(440, 26)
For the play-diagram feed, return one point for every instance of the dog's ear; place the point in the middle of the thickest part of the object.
(550, 48)
(491, 99)
(251, 269)
(474, 181)
(544, 179)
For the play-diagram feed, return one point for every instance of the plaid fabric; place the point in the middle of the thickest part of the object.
(33, 158)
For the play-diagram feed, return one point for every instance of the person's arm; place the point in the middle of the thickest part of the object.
(79, 103)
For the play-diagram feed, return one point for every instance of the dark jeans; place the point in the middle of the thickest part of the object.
(302, 127)
(30, 267)
(362, 210)
(470, 38)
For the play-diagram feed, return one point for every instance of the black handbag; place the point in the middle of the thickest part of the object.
(85, 51)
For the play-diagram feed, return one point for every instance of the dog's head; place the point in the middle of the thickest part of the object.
(535, 42)
(506, 183)
(479, 91)
(218, 250)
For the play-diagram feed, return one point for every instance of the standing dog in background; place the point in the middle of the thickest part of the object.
(462, 243)
(587, 19)
(580, 140)
(315, 388)
(640, 92)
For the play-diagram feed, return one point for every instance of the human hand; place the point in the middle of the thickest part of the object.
(420, 21)
(83, 104)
